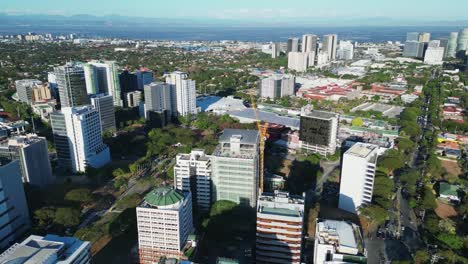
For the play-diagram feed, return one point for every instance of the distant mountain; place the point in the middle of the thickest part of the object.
(117, 20)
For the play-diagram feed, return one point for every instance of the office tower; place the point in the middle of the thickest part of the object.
(52, 80)
(71, 85)
(104, 104)
(132, 99)
(103, 77)
(309, 43)
(164, 222)
(318, 131)
(277, 86)
(41, 93)
(357, 176)
(412, 36)
(462, 44)
(338, 242)
(330, 45)
(451, 50)
(280, 222)
(275, 50)
(434, 56)
(293, 45)
(192, 173)
(128, 81)
(24, 89)
(144, 77)
(185, 93)
(413, 49)
(158, 97)
(299, 61)
(434, 43)
(50, 249)
(322, 58)
(32, 153)
(235, 164)
(425, 37)
(14, 210)
(78, 138)
(345, 50)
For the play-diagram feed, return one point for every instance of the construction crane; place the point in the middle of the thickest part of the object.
(263, 134)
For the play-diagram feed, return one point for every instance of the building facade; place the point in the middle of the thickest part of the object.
(235, 172)
(330, 43)
(451, 51)
(104, 104)
(192, 173)
(345, 51)
(293, 45)
(103, 77)
(158, 97)
(14, 220)
(277, 86)
(24, 90)
(144, 77)
(299, 61)
(185, 93)
(280, 225)
(132, 99)
(318, 131)
(71, 85)
(434, 56)
(32, 153)
(164, 222)
(357, 176)
(309, 43)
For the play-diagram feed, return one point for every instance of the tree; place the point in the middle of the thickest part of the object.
(68, 217)
(118, 172)
(44, 216)
(358, 122)
(82, 195)
(405, 144)
(383, 191)
(451, 240)
(392, 160)
(374, 213)
(428, 201)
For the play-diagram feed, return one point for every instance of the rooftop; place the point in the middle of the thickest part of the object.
(245, 136)
(268, 117)
(448, 189)
(361, 150)
(164, 196)
(319, 114)
(340, 233)
(281, 204)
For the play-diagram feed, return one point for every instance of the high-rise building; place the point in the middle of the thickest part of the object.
(78, 138)
(338, 242)
(412, 36)
(71, 85)
(309, 43)
(275, 50)
(451, 50)
(52, 80)
(164, 222)
(128, 81)
(293, 45)
(299, 61)
(14, 222)
(357, 176)
(322, 58)
(32, 154)
(185, 93)
(280, 222)
(192, 173)
(434, 56)
(50, 249)
(158, 97)
(277, 86)
(318, 131)
(235, 163)
(103, 77)
(425, 37)
(345, 50)
(104, 104)
(24, 89)
(434, 43)
(132, 99)
(144, 77)
(413, 49)
(41, 93)
(462, 44)
(330, 43)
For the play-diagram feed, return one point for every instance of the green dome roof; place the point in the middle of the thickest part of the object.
(164, 196)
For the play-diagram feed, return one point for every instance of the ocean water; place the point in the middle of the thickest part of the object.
(258, 34)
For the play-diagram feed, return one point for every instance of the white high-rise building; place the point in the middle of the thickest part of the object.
(24, 90)
(78, 138)
(105, 105)
(158, 97)
(103, 77)
(192, 173)
(185, 93)
(309, 43)
(434, 56)
(299, 61)
(451, 50)
(132, 99)
(322, 58)
(50, 249)
(275, 50)
(235, 170)
(277, 86)
(280, 222)
(357, 176)
(338, 242)
(164, 222)
(330, 45)
(292, 45)
(345, 50)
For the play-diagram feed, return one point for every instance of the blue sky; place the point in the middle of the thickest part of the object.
(247, 9)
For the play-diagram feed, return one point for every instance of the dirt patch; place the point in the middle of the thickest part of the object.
(444, 210)
(451, 167)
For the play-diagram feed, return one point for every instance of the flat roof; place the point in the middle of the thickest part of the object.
(320, 114)
(246, 136)
(361, 149)
(267, 117)
(279, 211)
(343, 229)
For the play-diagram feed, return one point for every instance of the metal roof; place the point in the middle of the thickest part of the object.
(249, 113)
(164, 196)
(246, 136)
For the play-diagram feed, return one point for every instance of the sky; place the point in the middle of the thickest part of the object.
(255, 10)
